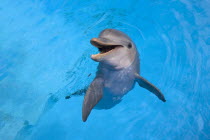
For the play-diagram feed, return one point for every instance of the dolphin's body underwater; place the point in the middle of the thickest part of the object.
(118, 71)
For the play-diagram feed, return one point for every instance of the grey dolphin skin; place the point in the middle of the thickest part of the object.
(118, 71)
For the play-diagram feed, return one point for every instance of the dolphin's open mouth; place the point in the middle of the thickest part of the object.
(106, 49)
(104, 46)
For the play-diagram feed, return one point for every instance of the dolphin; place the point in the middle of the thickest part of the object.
(118, 71)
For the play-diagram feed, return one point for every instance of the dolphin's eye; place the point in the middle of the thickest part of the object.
(129, 45)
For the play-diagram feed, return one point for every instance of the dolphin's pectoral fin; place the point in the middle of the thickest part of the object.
(147, 85)
(92, 97)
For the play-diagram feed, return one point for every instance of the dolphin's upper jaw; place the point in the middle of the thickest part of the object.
(104, 46)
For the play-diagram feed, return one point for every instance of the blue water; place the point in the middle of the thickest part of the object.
(45, 56)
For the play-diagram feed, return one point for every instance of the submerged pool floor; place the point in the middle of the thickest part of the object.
(45, 56)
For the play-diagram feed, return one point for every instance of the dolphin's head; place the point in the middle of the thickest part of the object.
(116, 49)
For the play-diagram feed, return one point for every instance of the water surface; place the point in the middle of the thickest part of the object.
(45, 56)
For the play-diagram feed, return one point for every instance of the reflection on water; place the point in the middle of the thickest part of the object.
(44, 57)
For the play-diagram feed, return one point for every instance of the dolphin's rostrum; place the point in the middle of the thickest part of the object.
(118, 70)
